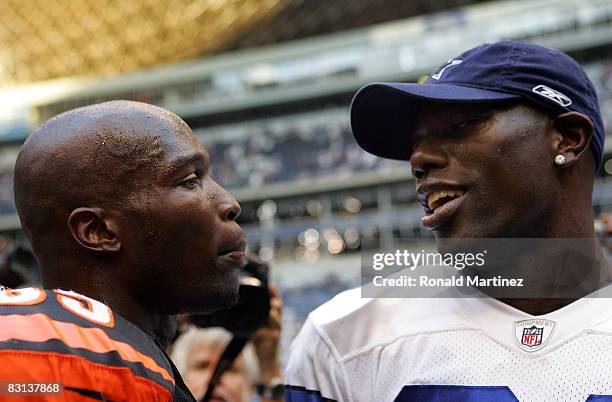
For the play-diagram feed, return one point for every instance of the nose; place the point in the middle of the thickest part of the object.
(427, 157)
(227, 206)
(229, 209)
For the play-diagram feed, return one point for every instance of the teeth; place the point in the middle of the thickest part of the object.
(436, 195)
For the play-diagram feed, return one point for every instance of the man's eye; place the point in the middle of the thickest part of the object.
(203, 365)
(463, 124)
(190, 181)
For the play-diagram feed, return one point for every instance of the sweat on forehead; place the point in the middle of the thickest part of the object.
(118, 133)
(93, 154)
(116, 120)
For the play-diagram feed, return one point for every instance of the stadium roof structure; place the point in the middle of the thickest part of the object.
(44, 40)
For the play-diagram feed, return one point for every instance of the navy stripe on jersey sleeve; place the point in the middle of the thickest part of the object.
(455, 393)
(301, 394)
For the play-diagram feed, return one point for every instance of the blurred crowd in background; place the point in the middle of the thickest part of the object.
(265, 152)
(293, 152)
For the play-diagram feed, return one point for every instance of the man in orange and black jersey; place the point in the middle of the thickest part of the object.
(128, 228)
(57, 336)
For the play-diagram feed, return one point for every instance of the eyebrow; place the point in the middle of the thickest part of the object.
(454, 116)
(191, 159)
(463, 112)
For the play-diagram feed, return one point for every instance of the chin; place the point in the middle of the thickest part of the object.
(224, 300)
(460, 240)
(202, 301)
(471, 226)
(215, 299)
(450, 234)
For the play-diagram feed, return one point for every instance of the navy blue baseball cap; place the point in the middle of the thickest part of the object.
(382, 114)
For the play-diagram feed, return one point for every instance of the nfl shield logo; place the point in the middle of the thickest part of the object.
(532, 336)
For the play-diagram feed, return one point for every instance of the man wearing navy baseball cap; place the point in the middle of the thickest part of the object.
(503, 141)
(504, 72)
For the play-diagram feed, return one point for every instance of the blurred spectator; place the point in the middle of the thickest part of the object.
(603, 227)
(255, 375)
(196, 354)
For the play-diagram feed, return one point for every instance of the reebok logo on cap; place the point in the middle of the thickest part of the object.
(451, 63)
(553, 95)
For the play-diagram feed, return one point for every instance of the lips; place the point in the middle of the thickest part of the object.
(233, 253)
(441, 201)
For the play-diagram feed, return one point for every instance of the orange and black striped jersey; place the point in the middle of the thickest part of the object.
(62, 336)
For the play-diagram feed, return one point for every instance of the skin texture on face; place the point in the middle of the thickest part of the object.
(233, 386)
(118, 204)
(187, 224)
(500, 160)
(503, 161)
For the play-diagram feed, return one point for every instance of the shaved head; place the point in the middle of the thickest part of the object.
(118, 204)
(94, 156)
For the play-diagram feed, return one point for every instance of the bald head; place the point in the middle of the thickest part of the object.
(94, 156)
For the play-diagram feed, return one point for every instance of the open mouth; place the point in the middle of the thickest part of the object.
(440, 205)
(436, 199)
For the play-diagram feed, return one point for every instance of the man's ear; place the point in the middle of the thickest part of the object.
(94, 230)
(574, 132)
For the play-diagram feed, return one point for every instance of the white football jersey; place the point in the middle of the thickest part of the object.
(453, 349)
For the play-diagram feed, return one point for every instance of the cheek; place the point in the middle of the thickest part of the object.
(500, 147)
(197, 381)
(185, 221)
(509, 176)
(234, 383)
(180, 232)
(511, 158)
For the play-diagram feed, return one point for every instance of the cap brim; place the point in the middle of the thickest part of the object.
(382, 114)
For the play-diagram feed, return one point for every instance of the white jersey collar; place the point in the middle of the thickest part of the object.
(535, 335)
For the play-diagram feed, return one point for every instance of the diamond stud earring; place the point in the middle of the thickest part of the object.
(560, 159)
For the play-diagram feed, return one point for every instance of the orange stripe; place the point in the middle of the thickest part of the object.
(40, 328)
(116, 383)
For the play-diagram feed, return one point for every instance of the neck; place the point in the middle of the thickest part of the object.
(567, 263)
(573, 219)
(106, 290)
(537, 306)
(556, 272)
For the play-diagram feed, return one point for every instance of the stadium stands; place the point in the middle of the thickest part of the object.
(296, 150)
(314, 145)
